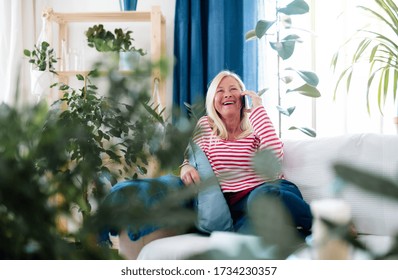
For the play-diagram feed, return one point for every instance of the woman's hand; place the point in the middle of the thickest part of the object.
(257, 101)
(189, 175)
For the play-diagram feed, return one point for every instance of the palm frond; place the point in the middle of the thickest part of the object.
(379, 49)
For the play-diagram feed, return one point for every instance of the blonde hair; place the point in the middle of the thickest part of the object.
(217, 124)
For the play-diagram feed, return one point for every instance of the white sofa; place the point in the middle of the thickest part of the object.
(308, 163)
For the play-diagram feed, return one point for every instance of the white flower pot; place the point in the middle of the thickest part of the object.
(40, 82)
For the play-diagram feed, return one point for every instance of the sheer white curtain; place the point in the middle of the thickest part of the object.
(266, 63)
(16, 33)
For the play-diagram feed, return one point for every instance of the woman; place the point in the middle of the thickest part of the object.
(230, 135)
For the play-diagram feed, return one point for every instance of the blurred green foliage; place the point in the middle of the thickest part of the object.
(370, 182)
(106, 41)
(54, 161)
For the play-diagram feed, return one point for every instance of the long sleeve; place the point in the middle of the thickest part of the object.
(265, 131)
(200, 136)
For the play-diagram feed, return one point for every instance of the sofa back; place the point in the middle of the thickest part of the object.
(309, 164)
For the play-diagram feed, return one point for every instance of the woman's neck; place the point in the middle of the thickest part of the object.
(233, 127)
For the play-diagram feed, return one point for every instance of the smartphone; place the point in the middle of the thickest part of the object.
(247, 102)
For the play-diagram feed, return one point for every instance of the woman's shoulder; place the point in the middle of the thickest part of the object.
(203, 122)
(203, 126)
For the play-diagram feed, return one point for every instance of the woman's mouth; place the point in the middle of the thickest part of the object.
(228, 103)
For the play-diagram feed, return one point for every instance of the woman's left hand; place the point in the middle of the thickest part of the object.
(256, 100)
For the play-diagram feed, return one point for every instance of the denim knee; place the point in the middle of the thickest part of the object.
(290, 196)
(265, 189)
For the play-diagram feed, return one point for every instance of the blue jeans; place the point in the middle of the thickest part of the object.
(290, 197)
(146, 192)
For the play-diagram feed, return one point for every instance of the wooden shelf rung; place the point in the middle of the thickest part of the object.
(127, 16)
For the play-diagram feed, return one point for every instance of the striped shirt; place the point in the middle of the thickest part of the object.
(231, 159)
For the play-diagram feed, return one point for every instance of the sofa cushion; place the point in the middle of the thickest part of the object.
(212, 208)
(309, 164)
(219, 245)
(175, 247)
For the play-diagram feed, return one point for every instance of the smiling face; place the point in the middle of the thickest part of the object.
(228, 99)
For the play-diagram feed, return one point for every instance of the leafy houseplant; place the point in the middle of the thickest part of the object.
(279, 32)
(110, 138)
(28, 214)
(65, 157)
(377, 49)
(42, 59)
(118, 42)
(105, 41)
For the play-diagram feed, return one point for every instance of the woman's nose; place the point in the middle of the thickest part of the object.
(227, 94)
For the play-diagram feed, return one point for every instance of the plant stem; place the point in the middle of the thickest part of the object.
(87, 207)
(85, 87)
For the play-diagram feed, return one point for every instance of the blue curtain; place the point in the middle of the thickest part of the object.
(210, 37)
(128, 5)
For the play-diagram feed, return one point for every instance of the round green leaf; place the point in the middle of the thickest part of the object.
(297, 7)
(287, 79)
(285, 47)
(306, 90)
(286, 111)
(262, 26)
(309, 77)
(308, 131)
(266, 165)
(251, 34)
(261, 92)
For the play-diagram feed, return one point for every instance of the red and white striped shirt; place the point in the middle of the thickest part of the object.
(231, 159)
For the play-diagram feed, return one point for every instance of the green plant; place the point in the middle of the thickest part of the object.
(42, 57)
(105, 41)
(29, 191)
(110, 138)
(377, 49)
(279, 32)
(54, 160)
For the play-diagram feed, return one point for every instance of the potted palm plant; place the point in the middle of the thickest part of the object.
(376, 49)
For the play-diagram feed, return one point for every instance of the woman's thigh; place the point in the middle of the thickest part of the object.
(291, 198)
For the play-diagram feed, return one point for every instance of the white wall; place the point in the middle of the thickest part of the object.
(140, 30)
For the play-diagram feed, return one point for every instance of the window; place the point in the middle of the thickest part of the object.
(331, 24)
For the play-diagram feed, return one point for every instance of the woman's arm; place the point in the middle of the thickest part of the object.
(265, 131)
(188, 173)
